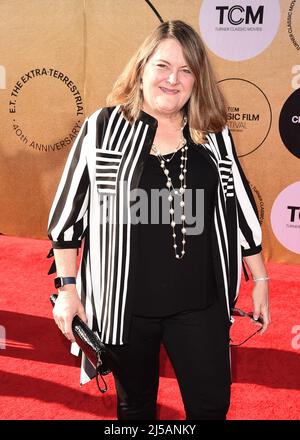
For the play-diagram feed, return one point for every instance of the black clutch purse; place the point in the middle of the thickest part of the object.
(91, 345)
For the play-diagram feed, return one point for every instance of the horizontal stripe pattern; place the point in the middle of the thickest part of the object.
(225, 170)
(107, 165)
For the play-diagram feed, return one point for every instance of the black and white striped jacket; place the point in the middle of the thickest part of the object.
(92, 203)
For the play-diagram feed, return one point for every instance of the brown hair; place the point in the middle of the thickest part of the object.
(205, 109)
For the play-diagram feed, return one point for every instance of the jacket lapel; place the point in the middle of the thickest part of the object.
(222, 164)
(202, 149)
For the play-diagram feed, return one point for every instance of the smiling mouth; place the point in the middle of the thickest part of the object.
(169, 91)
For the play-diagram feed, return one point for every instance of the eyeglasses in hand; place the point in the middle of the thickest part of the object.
(241, 313)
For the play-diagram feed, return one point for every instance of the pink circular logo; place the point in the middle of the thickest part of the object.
(237, 30)
(285, 217)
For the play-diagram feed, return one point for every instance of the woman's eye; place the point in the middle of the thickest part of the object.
(187, 71)
(161, 65)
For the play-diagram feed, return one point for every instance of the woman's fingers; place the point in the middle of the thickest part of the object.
(67, 331)
(65, 326)
(266, 318)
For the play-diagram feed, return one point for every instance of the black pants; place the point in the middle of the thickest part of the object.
(197, 343)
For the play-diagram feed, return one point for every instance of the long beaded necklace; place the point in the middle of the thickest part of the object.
(180, 193)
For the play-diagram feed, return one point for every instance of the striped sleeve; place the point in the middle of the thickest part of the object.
(67, 218)
(249, 226)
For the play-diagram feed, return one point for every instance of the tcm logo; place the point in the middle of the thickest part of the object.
(2, 77)
(238, 14)
(296, 119)
(295, 212)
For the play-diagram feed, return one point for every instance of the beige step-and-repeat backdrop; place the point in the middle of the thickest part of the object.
(59, 59)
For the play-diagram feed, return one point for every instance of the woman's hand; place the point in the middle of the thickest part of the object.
(68, 305)
(260, 292)
(260, 298)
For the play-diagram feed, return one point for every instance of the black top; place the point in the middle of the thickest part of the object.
(165, 284)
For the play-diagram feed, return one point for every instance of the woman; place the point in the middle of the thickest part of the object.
(144, 283)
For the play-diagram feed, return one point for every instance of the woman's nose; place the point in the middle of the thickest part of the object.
(172, 79)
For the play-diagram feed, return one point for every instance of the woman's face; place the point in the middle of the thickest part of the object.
(167, 80)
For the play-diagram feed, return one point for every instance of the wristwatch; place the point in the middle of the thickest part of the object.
(62, 281)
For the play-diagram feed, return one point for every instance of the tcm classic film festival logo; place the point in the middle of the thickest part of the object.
(249, 113)
(239, 30)
(40, 102)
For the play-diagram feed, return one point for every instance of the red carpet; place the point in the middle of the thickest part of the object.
(40, 379)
